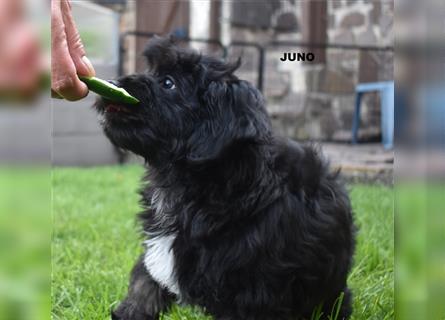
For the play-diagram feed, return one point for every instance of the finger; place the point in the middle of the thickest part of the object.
(64, 78)
(75, 45)
(70, 87)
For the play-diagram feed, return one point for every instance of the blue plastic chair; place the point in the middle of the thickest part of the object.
(386, 91)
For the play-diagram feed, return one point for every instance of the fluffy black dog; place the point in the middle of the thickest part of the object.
(242, 223)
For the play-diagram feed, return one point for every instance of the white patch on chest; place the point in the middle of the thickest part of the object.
(159, 261)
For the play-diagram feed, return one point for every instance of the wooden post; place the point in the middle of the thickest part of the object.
(315, 24)
(215, 23)
(162, 17)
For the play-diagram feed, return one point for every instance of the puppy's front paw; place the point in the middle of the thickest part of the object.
(128, 312)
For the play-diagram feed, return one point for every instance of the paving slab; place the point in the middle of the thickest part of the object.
(366, 163)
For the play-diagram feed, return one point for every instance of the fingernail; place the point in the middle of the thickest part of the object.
(89, 65)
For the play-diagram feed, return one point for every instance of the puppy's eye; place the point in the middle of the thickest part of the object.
(167, 83)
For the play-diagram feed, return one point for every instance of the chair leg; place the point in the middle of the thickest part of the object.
(356, 117)
(387, 115)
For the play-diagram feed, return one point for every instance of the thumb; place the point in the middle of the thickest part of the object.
(64, 80)
(75, 45)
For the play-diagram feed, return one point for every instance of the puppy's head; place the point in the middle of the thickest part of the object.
(191, 107)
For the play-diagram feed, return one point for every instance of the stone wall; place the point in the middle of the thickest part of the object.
(310, 100)
(316, 100)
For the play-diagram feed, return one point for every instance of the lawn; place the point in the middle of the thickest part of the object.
(95, 245)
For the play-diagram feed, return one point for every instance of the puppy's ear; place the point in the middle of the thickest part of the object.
(232, 115)
(160, 52)
(217, 70)
(165, 53)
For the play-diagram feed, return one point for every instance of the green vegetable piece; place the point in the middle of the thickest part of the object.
(109, 90)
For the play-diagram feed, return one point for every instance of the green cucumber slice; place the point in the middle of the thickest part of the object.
(109, 90)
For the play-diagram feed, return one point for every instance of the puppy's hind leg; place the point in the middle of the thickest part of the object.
(346, 306)
(345, 310)
(145, 298)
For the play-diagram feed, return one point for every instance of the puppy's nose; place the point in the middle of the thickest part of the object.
(115, 82)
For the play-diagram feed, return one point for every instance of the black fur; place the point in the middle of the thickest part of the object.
(145, 297)
(263, 229)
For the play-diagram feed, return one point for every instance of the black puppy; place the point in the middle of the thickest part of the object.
(242, 223)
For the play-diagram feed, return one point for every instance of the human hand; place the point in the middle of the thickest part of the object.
(22, 64)
(68, 57)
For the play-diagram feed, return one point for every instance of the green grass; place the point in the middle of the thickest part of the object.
(95, 245)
